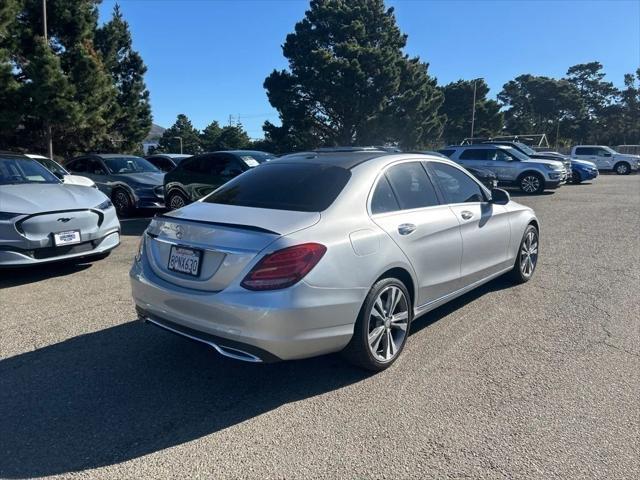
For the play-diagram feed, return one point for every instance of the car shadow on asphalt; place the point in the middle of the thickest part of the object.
(117, 394)
(133, 226)
(13, 277)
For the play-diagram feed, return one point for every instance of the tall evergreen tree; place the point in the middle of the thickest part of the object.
(232, 137)
(132, 115)
(184, 129)
(458, 108)
(348, 80)
(209, 137)
(9, 87)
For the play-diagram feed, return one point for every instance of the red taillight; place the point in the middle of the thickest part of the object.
(283, 268)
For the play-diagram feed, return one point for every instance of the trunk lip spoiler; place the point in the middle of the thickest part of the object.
(239, 226)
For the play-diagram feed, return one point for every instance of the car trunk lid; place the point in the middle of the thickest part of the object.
(228, 237)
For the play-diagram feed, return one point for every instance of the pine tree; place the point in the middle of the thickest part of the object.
(458, 107)
(209, 137)
(349, 81)
(132, 115)
(10, 116)
(232, 137)
(183, 128)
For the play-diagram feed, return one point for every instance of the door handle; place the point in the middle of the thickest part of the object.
(466, 214)
(406, 228)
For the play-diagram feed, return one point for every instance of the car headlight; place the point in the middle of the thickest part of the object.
(553, 167)
(8, 215)
(104, 205)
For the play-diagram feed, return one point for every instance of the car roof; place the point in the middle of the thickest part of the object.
(344, 159)
(14, 156)
(109, 155)
(170, 155)
(479, 145)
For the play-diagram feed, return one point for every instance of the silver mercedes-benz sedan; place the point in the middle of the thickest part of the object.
(322, 252)
(44, 220)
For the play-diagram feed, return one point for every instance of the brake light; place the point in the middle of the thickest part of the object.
(283, 268)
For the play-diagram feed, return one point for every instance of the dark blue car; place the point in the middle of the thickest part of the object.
(583, 170)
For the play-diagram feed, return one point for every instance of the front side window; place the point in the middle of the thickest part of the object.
(15, 171)
(52, 166)
(129, 164)
(78, 166)
(411, 186)
(456, 186)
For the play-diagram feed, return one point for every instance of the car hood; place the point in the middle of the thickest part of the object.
(78, 180)
(583, 163)
(34, 198)
(554, 163)
(143, 178)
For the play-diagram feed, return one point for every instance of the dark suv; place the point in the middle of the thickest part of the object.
(131, 182)
(197, 176)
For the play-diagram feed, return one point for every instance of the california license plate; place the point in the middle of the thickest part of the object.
(185, 260)
(66, 238)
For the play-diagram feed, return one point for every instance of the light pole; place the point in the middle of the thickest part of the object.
(473, 109)
(46, 41)
(179, 138)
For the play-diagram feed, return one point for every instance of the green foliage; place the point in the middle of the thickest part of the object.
(93, 98)
(458, 108)
(541, 104)
(349, 82)
(184, 129)
(209, 137)
(131, 114)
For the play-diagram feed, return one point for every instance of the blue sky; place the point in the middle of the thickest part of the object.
(208, 58)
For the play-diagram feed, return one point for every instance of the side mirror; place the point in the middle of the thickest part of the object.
(499, 196)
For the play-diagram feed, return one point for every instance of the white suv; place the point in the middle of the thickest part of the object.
(512, 167)
(606, 158)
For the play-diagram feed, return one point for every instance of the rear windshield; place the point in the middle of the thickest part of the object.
(303, 187)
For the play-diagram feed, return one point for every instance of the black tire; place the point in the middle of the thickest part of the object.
(358, 350)
(622, 168)
(531, 183)
(122, 201)
(517, 274)
(176, 200)
(576, 178)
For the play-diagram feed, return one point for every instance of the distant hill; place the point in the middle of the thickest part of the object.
(155, 133)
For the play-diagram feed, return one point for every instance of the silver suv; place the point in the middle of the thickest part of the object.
(512, 167)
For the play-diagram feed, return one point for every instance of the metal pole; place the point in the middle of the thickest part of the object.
(557, 133)
(473, 110)
(46, 40)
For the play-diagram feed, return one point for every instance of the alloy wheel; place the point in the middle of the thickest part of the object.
(622, 169)
(530, 183)
(121, 201)
(176, 202)
(529, 254)
(388, 324)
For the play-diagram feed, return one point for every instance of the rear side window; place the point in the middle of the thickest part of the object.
(383, 199)
(301, 187)
(79, 165)
(456, 186)
(585, 151)
(411, 186)
(475, 154)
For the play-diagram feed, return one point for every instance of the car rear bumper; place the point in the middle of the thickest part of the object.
(298, 322)
(17, 257)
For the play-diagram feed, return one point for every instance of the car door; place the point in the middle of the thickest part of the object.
(473, 157)
(505, 165)
(98, 172)
(586, 153)
(405, 205)
(484, 226)
(603, 159)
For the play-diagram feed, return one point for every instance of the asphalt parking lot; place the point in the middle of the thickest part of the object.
(536, 381)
